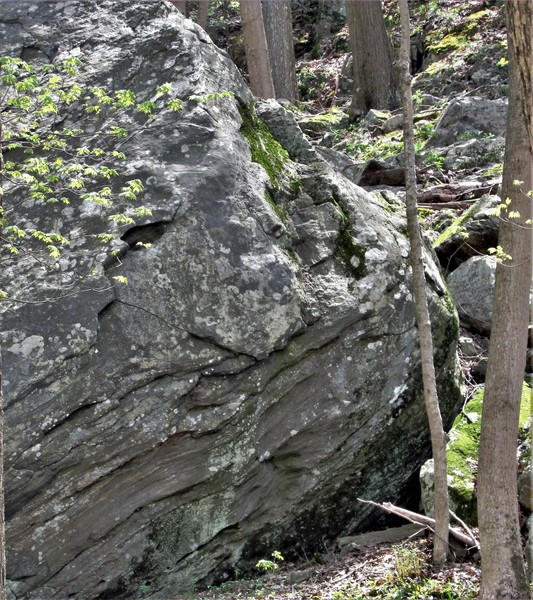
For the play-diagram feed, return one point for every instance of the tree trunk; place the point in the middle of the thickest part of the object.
(374, 81)
(255, 47)
(438, 437)
(181, 5)
(3, 590)
(278, 29)
(203, 11)
(502, 561)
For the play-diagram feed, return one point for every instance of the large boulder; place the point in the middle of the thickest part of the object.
(258, 373)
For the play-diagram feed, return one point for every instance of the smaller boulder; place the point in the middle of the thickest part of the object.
(376, 118)
(462, 454)
(474, 153)
(471, 114)
(395, 123)
(472, 288)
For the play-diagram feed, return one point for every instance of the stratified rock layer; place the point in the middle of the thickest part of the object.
(258, 373)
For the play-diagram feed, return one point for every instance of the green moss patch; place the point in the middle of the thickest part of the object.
(352, 254)
(456, 226)
(265, 149)
(334, 118)
(463, 450)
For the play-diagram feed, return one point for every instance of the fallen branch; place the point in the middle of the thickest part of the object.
(467, 540)
(458, 205)
(466, 528)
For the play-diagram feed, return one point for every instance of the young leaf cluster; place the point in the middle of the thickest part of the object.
(51, 153)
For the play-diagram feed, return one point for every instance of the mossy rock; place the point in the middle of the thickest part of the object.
(463, 449)
(351, 253)
(333, 119)
(265, 149)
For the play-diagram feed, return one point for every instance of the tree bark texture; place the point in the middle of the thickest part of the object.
(438, 437)
(3, 590)
(181, 5)
(255, 47)
(519, 24)
(278, 29)
(203, 11)
(502, 561)
(374, 79)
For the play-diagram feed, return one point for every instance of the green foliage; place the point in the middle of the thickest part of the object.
(410, 589)
(317, 83)
(206, 99)
(408, 562)
(493, 171)
(448, 43)
(46, 160)
(270, 565)
(434, 159)
(364, 147)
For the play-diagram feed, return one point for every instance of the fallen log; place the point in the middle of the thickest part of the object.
(409, 515)
(459, 205)
(371, 538)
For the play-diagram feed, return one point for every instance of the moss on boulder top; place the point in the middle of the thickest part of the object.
(462, 454)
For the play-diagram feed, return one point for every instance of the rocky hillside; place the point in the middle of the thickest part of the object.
(260, 370)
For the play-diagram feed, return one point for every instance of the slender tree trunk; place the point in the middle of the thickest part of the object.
(3, 590)
(438, 437)
(502, 561)
(278, 29)
(255, 47)
(375, 84)
(203, 11)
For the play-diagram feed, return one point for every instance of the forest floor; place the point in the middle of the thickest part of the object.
(386, 571)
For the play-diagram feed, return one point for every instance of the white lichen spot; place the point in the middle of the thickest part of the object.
(32, 345)
(376, 255)
(398, 391)
(264, 456)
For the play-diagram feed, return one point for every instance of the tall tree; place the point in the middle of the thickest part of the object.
(278, 29)
(438, 437)
(502, 565)
(374, 80)
(255, 47)
(3, 590)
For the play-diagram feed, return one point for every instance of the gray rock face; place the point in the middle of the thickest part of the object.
(474, 153)
(472, 288)
(470, 115)
(258, 373)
